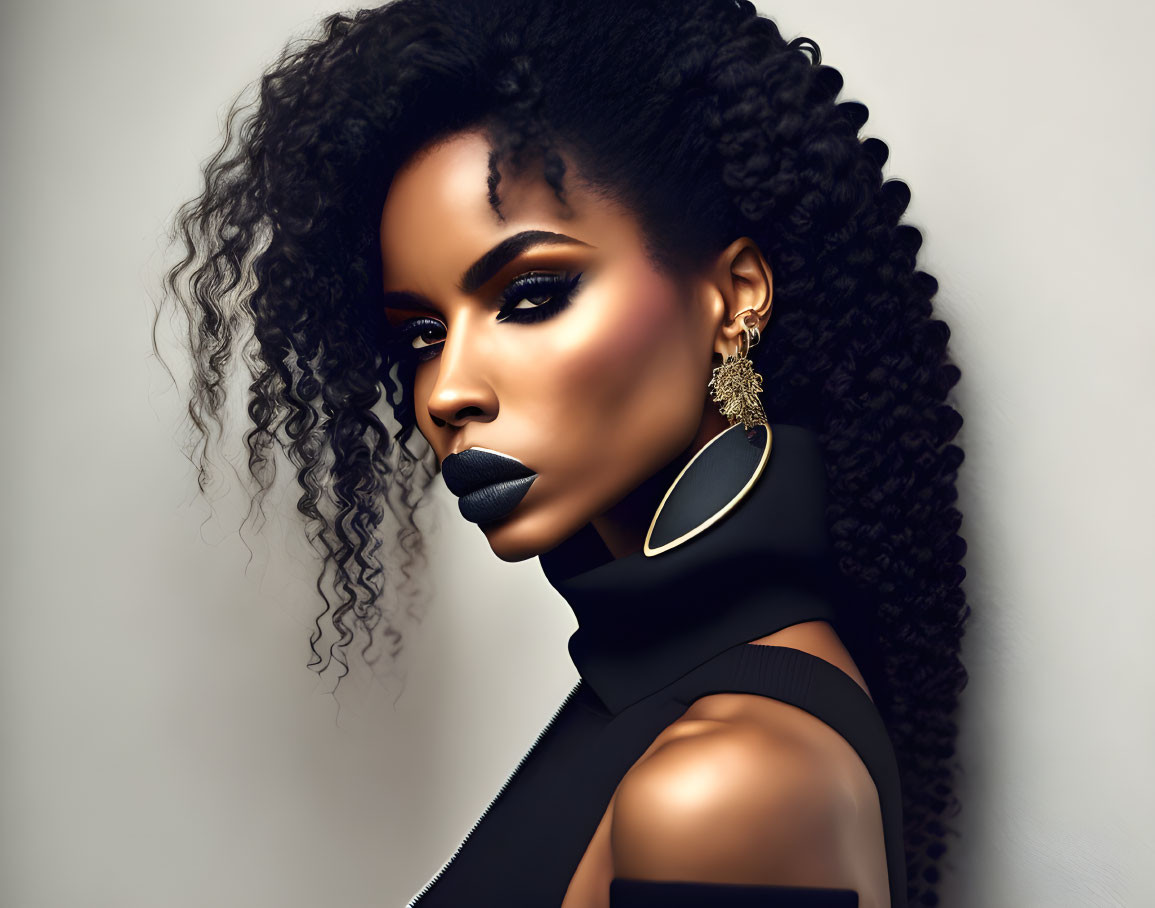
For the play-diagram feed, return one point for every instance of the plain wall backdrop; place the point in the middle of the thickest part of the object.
(164, 743)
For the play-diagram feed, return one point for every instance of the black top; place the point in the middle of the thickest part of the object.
(654, 634)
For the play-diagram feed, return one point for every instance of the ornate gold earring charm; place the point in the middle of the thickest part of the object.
(735, 384)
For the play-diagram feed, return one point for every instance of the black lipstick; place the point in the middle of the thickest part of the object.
(488, 484)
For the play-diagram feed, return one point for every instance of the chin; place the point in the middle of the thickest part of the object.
(521, 536)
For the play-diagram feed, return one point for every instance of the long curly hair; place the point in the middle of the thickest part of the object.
(702, 119)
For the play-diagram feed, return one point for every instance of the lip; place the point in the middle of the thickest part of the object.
(488, 484)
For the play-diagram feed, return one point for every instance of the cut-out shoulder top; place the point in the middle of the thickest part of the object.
(654, 635)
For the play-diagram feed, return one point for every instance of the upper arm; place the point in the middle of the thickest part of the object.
(734, 805)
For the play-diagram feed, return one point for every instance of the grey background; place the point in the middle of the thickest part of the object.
(163, 743)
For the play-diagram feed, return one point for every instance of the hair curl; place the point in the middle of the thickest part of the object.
(705, 122)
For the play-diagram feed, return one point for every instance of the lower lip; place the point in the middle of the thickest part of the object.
(492, 502)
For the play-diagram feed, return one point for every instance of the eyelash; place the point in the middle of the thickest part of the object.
(559, 288)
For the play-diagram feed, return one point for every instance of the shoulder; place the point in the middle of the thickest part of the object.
(735, 800)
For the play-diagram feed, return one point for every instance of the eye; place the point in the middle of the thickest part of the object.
(531, 298)
(420, 336)
(535, 297)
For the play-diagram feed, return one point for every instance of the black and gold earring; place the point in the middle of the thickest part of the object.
(720, 474)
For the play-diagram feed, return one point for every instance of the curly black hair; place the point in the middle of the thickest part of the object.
(707, 124)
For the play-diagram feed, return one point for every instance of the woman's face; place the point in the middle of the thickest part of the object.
(545, 338)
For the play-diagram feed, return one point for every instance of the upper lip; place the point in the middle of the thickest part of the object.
(475, 468)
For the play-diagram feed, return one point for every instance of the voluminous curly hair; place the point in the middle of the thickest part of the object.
(708, 125)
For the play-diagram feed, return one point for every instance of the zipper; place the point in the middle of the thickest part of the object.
(509, 779)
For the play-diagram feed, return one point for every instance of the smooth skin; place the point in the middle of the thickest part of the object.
(605, 398)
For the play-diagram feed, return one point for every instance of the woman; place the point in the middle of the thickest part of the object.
(636, 281)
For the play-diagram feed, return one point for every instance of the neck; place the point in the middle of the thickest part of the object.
(642, 621)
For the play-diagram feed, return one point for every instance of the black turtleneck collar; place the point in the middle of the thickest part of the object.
(645, 621)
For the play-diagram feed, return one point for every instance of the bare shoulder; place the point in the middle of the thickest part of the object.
(745, 789)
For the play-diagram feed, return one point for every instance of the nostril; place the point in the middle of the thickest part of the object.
(458, 417)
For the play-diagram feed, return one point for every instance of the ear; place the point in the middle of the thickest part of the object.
(739, 281)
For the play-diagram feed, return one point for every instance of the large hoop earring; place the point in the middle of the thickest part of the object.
(724, 469)
(717, 477)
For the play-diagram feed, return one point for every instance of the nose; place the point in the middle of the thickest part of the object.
(462, 391)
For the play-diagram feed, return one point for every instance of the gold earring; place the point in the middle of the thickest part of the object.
(735, 384)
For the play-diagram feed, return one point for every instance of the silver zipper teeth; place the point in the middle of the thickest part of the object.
(444, 867)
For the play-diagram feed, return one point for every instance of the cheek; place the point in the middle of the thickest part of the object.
(626, 364)
(423, 380)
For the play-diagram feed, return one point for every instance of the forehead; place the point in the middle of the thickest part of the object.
(437, 218)
(447, 180)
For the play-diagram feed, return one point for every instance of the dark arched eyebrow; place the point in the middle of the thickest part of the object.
(481, 271)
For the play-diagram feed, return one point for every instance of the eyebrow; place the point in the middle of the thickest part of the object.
(486, 267)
